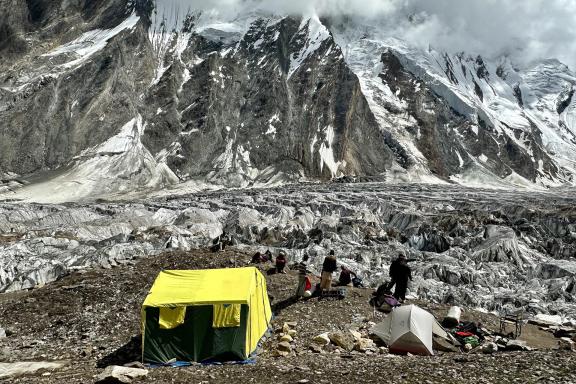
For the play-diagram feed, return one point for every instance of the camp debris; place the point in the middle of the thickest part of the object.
(409, 329)
(205, 315)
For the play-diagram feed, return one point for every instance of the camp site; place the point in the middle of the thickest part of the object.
(217, 317)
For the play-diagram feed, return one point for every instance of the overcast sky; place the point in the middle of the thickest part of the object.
(524, 29)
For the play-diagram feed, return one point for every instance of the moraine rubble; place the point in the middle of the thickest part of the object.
(471, 247)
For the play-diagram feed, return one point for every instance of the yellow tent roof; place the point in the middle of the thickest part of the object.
(202, 287)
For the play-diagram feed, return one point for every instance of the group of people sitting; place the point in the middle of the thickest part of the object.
(400, 274)
(279, 264)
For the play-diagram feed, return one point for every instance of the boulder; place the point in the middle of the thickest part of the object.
(16, 369)
(344, 340)
(117, 374)
(322, 339)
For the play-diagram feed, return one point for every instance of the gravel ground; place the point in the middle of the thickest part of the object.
(91, 320)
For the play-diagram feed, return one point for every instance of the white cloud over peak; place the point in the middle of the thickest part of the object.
(525, 30)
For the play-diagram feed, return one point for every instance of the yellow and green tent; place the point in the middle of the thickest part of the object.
(205, 315)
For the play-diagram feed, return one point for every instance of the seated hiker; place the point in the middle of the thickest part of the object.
(329, 266)
(257, 258)
(281, 262)
(345, 277)
(383, 300)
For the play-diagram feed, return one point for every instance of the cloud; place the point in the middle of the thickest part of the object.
(525, 30)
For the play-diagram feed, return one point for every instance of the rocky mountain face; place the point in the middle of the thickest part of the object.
(101, 99)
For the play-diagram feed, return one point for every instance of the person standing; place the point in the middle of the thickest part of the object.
(400, 273)
(302, 268)
(328, 268)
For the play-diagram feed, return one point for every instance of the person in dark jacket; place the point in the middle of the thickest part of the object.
(400, 273)
(345, 277)
(257, 258)
(267, 256)
(280, 263)
(328, 268)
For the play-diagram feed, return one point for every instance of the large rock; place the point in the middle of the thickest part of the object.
(8, 370)
(344, 340)
(116, 374)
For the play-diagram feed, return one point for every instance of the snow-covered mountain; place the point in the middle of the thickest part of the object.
(101, 99)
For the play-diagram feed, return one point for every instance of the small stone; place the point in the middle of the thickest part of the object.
(322, 339)
(292, 324)
(284, 346)
(489, 348)
(278, 353)
(364, 345)
(303, 381)
(467, 347)
(315, 348)
(292, 332)
(383, 350)
(287, 338)
(2, 333)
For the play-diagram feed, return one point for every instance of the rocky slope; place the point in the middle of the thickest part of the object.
(92, 321)
(107, 98)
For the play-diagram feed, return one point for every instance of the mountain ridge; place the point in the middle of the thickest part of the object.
(260, 99)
